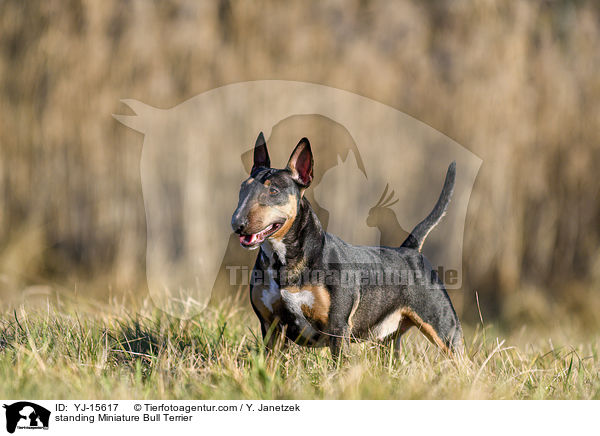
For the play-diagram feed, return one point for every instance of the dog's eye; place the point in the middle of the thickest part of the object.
(273, 191)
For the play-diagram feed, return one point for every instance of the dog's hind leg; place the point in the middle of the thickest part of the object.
(405, 325)
(444, 331)
(339, 338)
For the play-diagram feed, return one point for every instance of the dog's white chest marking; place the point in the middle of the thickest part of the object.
(273, 247)
(294, 302)
(388, 325)
(270, 295)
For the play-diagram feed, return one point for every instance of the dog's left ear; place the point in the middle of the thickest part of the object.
(261, 155)
(301, 163)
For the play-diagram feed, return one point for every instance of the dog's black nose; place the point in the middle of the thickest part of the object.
(238, 224)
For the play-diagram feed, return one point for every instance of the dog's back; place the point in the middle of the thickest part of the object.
(394, 283)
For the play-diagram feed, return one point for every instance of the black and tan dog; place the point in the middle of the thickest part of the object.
(317, 290)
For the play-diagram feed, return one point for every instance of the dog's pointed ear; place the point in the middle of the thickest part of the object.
(301, 163)
(261, 155)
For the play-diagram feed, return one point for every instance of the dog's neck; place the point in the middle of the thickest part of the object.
(302, 244)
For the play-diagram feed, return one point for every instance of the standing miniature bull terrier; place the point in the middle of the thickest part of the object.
(317, 290)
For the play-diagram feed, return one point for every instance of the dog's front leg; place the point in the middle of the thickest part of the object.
(338, 340)
(339, 327)
(273, 335)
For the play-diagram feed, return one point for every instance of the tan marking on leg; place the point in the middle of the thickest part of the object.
(426, 329)
(320, 308)
(405, 325)
(352, 312)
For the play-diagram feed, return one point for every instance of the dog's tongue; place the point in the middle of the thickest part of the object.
(250, 239)
(257, 238)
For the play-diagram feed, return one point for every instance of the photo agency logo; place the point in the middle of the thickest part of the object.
(377, 173)
(24, 415)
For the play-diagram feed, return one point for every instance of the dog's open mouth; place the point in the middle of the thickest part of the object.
(255, 239)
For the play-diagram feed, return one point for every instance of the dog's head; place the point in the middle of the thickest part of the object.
(270, 198)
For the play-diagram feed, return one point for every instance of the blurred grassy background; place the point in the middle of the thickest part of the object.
(517, 83)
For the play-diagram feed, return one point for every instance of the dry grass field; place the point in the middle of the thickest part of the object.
(516, 83)
(89, 351)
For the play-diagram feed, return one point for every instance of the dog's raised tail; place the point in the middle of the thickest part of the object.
(419, 233)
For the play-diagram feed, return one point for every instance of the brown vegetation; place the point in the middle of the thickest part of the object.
(517, 83)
